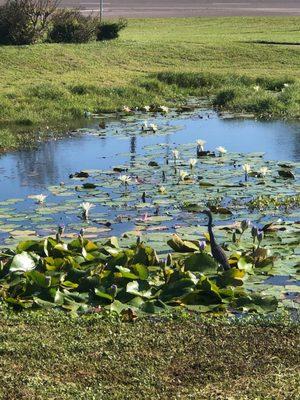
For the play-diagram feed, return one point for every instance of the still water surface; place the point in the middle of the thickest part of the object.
(31, 171)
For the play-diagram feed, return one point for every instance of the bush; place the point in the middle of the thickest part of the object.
(110, 30)
(24, 22)
(70, 26)
(224, 97)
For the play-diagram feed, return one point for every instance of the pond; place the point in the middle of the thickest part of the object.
(165, 192)
(46, 169)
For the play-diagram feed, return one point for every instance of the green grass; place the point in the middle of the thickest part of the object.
(46, 84)
(52, 356)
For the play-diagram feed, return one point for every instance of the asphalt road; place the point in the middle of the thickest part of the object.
(188, 8)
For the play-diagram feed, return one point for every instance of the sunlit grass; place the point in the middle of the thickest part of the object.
(48, 83)
(50, 355)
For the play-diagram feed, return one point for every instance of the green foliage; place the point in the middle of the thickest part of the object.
(71, 26)
(24, 22)
(83, 275)
(110, 30)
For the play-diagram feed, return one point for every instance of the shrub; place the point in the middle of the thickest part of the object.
(70, 26)
(110, 30)
(224, 97)
(24, 22)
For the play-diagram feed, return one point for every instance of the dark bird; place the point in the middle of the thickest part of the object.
(216, 250)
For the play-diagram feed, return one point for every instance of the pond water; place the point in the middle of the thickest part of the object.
(217, 182)
(31, 171)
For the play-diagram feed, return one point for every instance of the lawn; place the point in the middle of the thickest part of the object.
(53, 84)
(52, 356)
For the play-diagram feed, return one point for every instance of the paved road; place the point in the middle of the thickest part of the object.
(187, 8)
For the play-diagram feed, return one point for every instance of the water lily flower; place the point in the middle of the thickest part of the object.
(202, 245)
(175, 154)
(162, 189)
(182, 175)
(246, 169)
(127, 109)
(193, 162)
(164, 109)
(145, 126)
(145, 217)
(221, 150)
(125, 179)
(256, 88)
(201, 144)
(86, 207)
(147, 108)
(39, 198)
(263, 171)
(153, 127)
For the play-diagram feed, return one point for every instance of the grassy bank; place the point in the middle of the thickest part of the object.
(50, 355)
(154, 61)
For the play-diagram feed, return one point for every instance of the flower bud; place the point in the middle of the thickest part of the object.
(254, 232)
(260, 236)
(245, 224)
(202, 245)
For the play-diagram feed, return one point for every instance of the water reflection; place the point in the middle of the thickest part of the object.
(132, 150)
(32, 171)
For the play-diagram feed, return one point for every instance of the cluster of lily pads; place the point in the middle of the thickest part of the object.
(84, 276)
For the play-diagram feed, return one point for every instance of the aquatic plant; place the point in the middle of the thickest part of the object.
(221, 150)
(247, 170)
(86, 208)
(39, 198)
(192, 162)
(82, 275)
(201, 144)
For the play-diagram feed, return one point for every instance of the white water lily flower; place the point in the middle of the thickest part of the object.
(193, 162)
(147, 108)
(162, 189)
(201, 144)
(256, 88)
(125, 179)
(182, 175)
(175, 154)
(153, 127)
(127, 109)
(263, 171)
(86, 207)
(39, 198)
(22, 263)
(221, 150)
(246, 168)
(164, 109)
(145, 126)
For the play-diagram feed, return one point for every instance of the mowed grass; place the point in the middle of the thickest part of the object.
(47, 84)
(52, 356)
